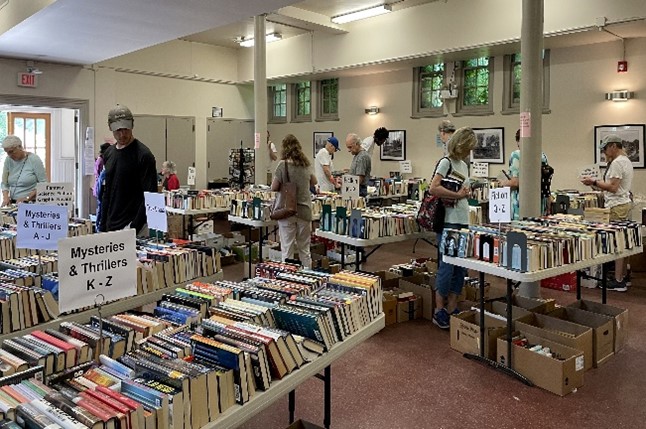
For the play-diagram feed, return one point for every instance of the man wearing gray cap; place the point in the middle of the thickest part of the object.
(616, 184)
(130, 170)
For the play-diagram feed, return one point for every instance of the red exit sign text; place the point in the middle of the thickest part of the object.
(28, 80)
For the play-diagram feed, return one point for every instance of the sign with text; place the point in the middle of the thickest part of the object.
(28, 80)
(525, 124)
(591, 171)
(192, 173)
(256, 141)
(500, 205)
(40, 226)
(90, 265)
(156, 211)
(406, 166)
(56, 194)
(480, 169)
(350, 187)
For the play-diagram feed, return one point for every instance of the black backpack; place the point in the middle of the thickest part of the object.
(546, 179)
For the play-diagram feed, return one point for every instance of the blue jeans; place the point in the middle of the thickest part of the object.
(450, 278)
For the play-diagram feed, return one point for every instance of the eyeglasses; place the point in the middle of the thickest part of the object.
(10, 151)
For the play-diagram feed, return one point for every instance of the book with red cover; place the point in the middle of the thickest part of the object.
(70, 350)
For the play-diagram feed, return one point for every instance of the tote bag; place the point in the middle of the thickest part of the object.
(432, 210)
(285, 202)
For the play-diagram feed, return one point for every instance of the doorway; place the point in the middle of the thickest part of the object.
(34, 129)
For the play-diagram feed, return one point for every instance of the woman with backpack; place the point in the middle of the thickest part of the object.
(452, 172)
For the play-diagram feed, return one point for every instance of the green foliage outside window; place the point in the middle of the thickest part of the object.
(431, 83)
(303, 93)
(476, 82)
(330, 96)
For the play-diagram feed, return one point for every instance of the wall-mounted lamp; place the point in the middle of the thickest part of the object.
(247, 42)
(620, 95)
(362, 14)
(372, 110)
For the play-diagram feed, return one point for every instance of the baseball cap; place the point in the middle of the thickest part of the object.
(334, 142)
(120, 117)
(610, 138)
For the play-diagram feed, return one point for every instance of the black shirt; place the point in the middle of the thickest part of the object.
(128, 173)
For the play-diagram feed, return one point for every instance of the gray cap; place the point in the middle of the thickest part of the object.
(610, 138)
(120, 117)
(11, 141)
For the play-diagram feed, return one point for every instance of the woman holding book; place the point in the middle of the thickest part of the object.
(295, 231)
(450, 278)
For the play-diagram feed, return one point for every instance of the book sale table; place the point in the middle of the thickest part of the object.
(252, 223)
(360, 243)
(190, 214)
(238, 414)
(520, 277)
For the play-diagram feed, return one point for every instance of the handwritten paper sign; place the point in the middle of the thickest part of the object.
(592, 171)
(406, 166)
(56, 194)
(40, 226)
(88, 152)
(350, 187)
(89, 265)
(156, 211)
(480, 169)
(192, 173)
(500, 205)
(525, 124)
(256, 142)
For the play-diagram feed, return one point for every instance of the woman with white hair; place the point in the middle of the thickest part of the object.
(22, 170)
(168, 171)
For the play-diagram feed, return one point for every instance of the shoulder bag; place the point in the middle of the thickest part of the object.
(285, 202)
(432, 211)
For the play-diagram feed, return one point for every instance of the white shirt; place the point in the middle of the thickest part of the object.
(368, 144)
(323, 157)
(272, 164)
(620, 168)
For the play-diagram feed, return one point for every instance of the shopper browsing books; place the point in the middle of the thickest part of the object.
(169, 173)
(22, 171)
(616, 185)
(378, 138)
(295, 231)
(450, 278)
(361, 164)
(324, 165)
(446, 130)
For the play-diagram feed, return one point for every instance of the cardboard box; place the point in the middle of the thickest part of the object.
(302, 424)
(242, 252)
(557, 376)
(638, 263)
(409, 308)
(318, 248)
(500, 308)
(561, 331)
(465, 333)
(320, 261)
(388, 280)
(472, 293)
(420, 285)
(535, 305)
(178, 226)
(603, 337)
(619, 315)
(431, 265)
(390, 308)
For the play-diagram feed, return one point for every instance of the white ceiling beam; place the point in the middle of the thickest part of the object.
(13, 12)
(305, 19)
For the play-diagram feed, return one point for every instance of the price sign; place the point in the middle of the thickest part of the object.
(256, 141)
(525, 124)
(56, 194)
(591, 171)
(480, 169)
(40, 226)
(350, 187)
(406, 166)
(500, 205)
(96, 264)
(192, 173)
(156, 211)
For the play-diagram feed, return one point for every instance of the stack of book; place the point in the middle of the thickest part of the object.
(22, 307)
(398, 219)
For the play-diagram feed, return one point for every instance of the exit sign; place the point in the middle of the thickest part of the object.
(28, 80)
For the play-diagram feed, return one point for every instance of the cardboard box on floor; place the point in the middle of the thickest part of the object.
(302, 424)
(561, 331)
(409, 309)
(388, 280)
(390, 308)
(620, 316)
(535, 305)
(500, 308)
(602, 330)
(472, 292)
(424, 286)
(557, 376)
(465, 333)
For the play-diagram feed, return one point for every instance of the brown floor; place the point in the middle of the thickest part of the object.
(407, 376)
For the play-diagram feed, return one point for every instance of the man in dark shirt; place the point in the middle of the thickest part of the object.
(130, 170)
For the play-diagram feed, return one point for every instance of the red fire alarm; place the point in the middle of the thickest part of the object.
(622, 66)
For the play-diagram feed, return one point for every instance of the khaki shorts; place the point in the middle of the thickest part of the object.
(620, 212)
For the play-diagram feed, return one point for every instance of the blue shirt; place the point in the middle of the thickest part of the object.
(20, 177)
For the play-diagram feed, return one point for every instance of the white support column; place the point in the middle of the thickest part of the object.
(260, 97)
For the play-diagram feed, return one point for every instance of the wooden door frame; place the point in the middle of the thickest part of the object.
(48, 134)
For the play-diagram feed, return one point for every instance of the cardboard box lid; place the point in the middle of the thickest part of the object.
(500, 308)
(302, 424)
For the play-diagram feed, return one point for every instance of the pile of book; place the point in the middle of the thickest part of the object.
(398, 219)
(22, 307)
(211, 199)
(389, 187)
(334, 200)
(541, 243)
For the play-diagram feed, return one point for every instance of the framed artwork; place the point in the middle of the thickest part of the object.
(320, 138)
(490, 147)
(394, 149)
(632, 137)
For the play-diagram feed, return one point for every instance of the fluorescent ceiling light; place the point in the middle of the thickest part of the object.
(362, 14)
(247, 43)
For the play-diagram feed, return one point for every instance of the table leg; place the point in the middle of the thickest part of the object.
(260, 245)
(509, 328)
(327, 419)
(292, 405)
(482, 311)
(578, 284)
(250, 249)
(604, 283)
(357, 260)
(342, 256)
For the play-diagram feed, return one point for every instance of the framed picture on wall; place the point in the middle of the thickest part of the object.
(632, 139)
(490, 147)
(320, 138)
(394, 149)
